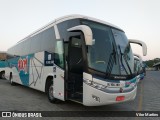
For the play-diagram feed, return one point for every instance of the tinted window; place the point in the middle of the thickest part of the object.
(62, 27)
(59, 54)
(43, 41)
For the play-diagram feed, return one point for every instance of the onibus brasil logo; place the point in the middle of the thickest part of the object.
(23, 65)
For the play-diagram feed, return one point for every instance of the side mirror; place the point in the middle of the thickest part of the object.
(86, 31)
(144, 46)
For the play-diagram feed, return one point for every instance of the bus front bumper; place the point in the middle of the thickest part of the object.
(95, 97)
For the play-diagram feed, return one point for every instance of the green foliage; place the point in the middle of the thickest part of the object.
(150, 63)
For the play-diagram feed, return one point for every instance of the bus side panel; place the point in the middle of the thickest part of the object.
(41, 66)
(31, 70)
(12, 69)
(8, 70)
(36, 71)
(47, 71)
(19, 67)
(2, 65)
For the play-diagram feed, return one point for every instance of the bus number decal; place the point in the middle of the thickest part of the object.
(22, 65)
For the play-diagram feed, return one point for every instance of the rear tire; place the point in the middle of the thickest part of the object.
(50, 92)
(3, 75)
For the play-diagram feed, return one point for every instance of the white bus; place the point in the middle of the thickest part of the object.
(2, 69)
(76, 58)
(139, 67)
(2, 64)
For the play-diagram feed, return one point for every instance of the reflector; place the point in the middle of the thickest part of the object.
(120, 98)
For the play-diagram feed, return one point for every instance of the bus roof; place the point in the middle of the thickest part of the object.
(65, 18)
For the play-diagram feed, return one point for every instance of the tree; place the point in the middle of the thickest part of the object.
(150, 63)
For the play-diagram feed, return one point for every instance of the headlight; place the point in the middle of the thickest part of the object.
(89, 82)
(101, 87)
(98, 86)
(94, 84)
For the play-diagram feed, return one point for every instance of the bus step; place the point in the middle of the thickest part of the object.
(76, 95)
(77, 100)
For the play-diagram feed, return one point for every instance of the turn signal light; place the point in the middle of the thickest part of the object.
(120, 98)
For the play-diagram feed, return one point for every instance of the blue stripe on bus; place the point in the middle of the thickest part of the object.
(23, 72)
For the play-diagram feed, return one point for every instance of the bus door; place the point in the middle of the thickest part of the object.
(58, 71)
(75, 67)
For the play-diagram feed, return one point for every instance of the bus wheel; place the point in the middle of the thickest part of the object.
(3, 75)
(50, 92)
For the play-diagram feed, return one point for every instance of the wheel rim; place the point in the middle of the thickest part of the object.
(3, 76)
(51, 92)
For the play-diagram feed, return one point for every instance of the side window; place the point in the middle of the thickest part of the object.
(59, 54)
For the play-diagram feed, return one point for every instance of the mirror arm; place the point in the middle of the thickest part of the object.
(141, 43)
(86, 31)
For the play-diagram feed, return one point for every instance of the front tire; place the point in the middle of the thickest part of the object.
(50, 92)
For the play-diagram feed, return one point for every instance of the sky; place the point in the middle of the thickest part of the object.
(140, 19)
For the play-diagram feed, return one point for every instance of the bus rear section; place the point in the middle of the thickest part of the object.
(2, 64)
(2, 69)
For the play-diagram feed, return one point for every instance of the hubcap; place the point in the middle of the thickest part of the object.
(3, 75)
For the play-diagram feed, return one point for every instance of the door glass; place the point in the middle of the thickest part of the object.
(75, 55)
(59, 54)
(76, 42)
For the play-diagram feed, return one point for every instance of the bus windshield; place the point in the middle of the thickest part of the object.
(111, 53)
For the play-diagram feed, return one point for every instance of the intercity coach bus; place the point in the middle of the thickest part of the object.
(2, 64)
(76, 58)
(2, 69)
(139, 67)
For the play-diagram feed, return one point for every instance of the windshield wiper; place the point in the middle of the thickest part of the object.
(112, 59)
(124, 56)
(114, 54)
(121, 59)
(126, 60)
